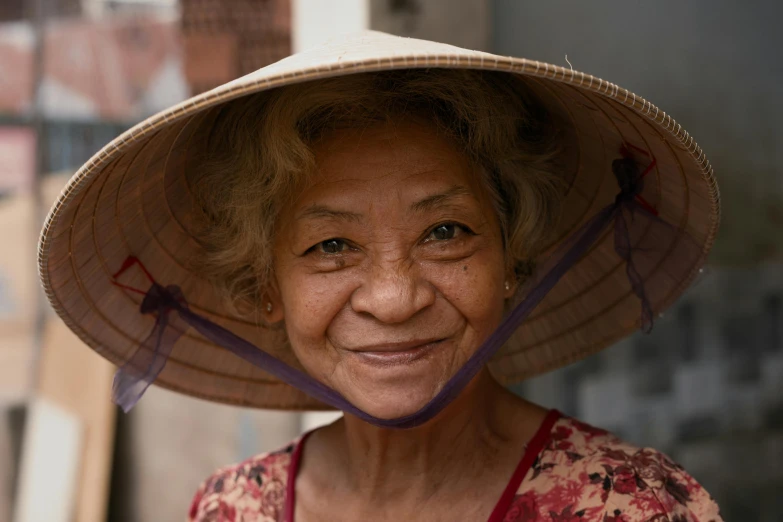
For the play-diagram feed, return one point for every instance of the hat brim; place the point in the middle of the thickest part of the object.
(132, 198)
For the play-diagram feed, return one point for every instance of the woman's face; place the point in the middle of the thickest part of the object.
(389, 267)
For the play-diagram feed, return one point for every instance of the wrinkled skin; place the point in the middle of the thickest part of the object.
(395, 244)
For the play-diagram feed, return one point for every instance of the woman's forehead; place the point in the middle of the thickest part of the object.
(408, 160)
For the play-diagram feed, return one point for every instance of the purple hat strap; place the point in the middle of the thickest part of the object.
(133, 378)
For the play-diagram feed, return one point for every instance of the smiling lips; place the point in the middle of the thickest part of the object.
(396, 353)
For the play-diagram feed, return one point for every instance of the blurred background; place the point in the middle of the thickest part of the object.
(706, 386)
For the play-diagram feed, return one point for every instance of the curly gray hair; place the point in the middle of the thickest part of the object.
(259, 156)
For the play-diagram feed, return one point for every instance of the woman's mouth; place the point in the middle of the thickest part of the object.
(396, 354)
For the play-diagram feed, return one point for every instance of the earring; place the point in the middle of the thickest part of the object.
(507, 285)
(269, 307)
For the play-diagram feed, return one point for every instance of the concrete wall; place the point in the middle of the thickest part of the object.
(464, 23)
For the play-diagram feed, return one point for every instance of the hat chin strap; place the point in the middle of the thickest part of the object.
(133, 378)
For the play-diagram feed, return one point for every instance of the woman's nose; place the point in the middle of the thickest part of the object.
(392, 295)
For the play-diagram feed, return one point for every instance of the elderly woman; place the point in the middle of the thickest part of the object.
(366, 229)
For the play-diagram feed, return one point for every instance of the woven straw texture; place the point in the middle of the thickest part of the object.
(132, 198)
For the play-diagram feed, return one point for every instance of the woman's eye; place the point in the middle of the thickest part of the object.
(332, 246)
(446, 231)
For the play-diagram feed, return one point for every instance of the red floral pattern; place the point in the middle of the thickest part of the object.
(583, 474)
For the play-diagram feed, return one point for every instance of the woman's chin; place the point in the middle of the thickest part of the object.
(390, 404)
(389, 392)
(391, 411)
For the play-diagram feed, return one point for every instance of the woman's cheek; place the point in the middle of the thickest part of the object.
(474, 286)
(311, 303)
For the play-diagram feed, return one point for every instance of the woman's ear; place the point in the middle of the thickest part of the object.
(510, 286)
(272, 305)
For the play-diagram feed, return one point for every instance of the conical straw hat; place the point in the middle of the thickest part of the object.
(132, 198)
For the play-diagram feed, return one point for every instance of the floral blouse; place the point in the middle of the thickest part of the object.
(571, 472)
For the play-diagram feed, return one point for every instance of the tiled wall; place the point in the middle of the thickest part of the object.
(225, 39)
(706, 387)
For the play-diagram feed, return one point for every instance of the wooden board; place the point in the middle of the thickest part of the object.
(78, 380)
(51, 459)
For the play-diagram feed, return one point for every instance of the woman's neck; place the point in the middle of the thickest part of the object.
(486, 427)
